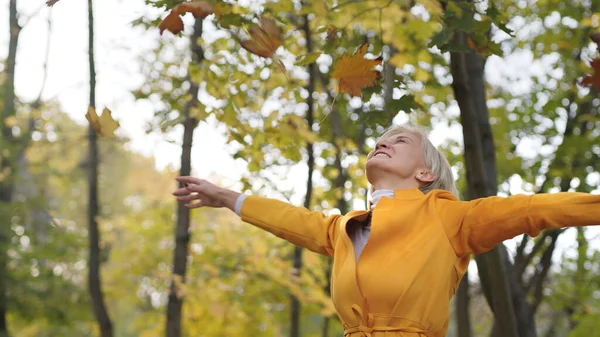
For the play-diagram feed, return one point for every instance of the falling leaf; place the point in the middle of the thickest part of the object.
(593, 80)
(173, 22)
(264, 38)
(354, 72)
(51, 3)
(104, 125)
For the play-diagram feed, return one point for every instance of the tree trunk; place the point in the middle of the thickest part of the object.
(463, 318)
(297, 259)
(94, 281)
(469, 90)
(182, 230)
(337, 136)
(7, 161)
(523, 311)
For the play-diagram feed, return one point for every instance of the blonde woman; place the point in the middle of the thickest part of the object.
(397, 265)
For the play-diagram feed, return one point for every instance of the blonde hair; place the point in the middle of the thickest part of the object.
(433, 159)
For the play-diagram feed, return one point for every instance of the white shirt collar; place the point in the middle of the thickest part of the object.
(380, 193)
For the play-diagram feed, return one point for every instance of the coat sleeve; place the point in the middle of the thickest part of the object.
(479, 225)
(308, 229)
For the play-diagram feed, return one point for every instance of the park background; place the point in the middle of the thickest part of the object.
(463, 69)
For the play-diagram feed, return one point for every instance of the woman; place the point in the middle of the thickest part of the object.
(397, 265)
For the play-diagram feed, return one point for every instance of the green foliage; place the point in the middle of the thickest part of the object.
(239, 273)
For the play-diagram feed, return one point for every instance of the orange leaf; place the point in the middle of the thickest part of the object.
(264, 39)
(51, 3)
(593, 80)
(104, 125)
(354, 72)
(173, 22)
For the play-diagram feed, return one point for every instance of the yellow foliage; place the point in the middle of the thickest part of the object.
(422, 75)
(398, 60)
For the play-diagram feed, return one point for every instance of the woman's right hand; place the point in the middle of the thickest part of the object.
(206, 193)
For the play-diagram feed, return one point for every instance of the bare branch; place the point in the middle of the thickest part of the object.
(521, 249)
(536, 283)
(527, 258)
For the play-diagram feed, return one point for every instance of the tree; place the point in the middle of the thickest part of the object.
(421, 74)
(9, 142)
(94, 279)
(182, 231)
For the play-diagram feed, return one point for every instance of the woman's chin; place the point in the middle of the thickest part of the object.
(374, 169)
(376, 164)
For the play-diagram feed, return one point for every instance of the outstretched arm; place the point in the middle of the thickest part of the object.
(309, 229)
(479, 225)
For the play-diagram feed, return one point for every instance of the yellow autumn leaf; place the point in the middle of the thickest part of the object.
(355, 72)
(104, 125)
(398, 60)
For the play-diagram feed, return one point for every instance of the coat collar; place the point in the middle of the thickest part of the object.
(408, 193)
(404, 194)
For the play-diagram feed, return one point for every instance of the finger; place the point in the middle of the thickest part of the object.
(188, 197)
(181, 192)
(195, 204)
(188, 180)
(195, 188)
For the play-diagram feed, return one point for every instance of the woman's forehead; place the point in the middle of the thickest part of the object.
(399, 134)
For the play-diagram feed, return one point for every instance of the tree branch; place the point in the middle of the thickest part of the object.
(537, 282)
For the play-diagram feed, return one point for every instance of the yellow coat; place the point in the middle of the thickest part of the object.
(417, 252)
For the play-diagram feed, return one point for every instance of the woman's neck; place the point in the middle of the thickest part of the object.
(395, 185)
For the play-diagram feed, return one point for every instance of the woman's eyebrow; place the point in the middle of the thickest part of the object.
(402, 136)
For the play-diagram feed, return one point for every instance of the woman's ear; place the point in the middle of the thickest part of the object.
(425, 176)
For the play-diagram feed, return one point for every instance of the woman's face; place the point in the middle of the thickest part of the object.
(396, 158)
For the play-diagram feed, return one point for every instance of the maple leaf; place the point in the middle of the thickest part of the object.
(104, 125)
(593, 80)
(51, 3)
(173, 23)
(354, 72)
(264, 38)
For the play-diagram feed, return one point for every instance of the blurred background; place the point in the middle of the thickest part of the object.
(92, 243)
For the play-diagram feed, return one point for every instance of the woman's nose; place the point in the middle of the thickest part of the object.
(381, 144)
